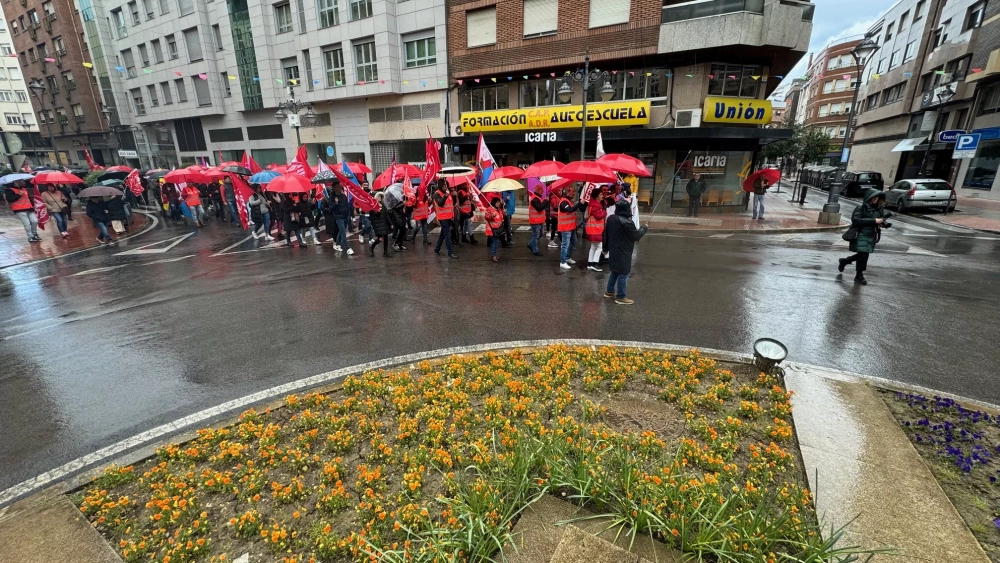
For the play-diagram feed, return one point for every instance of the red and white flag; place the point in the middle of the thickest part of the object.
(242, 191)
(91, 165)
(41, 211)
(362, 199)
(133, 183)
(250, 164)
(300, 164)
(408, 191)
(320, 189)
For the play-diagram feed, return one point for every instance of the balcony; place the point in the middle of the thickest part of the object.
(80, 118)
(707, 24)
(70, 85)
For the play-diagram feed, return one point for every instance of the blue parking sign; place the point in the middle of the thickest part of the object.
(966, 145)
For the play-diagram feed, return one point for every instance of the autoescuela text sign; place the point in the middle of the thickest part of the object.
(604, 114)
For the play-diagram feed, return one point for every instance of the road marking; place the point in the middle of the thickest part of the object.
(922, 251)
(144, 249)
(841, 242)
(523, 229)
(785, 237)
(96, 270)
(232, 246)
(911, 227)
(165, 260)
(721, 236)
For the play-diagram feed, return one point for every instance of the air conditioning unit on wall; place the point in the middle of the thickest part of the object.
(688, 118)
(456, 129)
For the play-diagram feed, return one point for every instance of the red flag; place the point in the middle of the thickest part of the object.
(243, 191)
(41, 212)
(408, 188)
(300, 165)
(91, 165)
(220, 157)
(249, 163)
(433, 165)
(132, 182)
(362, 199)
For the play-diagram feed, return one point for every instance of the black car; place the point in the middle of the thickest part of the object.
(857, 183)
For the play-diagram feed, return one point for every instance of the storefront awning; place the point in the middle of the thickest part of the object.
(909, 144)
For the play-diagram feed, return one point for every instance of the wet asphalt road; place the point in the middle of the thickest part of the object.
(100, 346)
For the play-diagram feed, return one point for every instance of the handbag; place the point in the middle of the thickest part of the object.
(851, 234)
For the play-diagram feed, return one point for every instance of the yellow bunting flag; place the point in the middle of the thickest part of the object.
(88, 65)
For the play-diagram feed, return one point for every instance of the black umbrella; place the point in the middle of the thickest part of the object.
(112, 176)
(158, 173)
(99, 191)
(235, 169)
(324, 177)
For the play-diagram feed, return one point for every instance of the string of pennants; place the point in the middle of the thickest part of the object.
(876, 76)
(614, 72)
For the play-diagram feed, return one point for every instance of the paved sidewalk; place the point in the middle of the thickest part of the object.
(973, 213)
(15, 248)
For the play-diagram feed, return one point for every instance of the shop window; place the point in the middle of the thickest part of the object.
(734, 80)
(720, 171)
(542, 92)
(633, 84)
(485, 99)
(983, 168)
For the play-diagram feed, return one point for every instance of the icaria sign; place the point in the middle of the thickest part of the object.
(740, 111)
(610, 114)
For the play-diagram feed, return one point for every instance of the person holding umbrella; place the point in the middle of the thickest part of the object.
(537, 208)
(291, 209)
(594, 228)
(444, 208)
(57, 204)
(19, 197)
(567, 226)
(494, 225)
(421, 212)
(192, 197)
(340, 214)
(228, 193)
(97, 210)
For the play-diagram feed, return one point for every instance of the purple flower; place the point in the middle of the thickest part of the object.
(997, 522)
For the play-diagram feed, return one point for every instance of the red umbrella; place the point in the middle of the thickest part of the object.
(588, 171)
(216, 173)
(771, 175)
(543, 168)
(357, 167)
(402, 171)
(456, 181)
(279, 168)
(559, 184)
(186, 175)
(56, 177)
(229, 163)
(625, 164)
(290, 183)
(512, 172)
(119, 168)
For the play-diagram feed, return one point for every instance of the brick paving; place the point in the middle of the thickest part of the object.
(973, 213)
(15, 248)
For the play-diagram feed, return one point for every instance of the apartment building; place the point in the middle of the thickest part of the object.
(48, 39)
(18, 115)
(832, 78)
(795, 101)
(666, 86)
(914, 89)
(202, 80)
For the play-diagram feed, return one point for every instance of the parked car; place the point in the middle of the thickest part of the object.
(921, 194)
(857, 183)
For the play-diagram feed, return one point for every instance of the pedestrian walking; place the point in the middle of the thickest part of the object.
(695, 188)
(19, 197)
(509, 209)
(567, 226)
(228, 193)
(215, 195)
(173, 198)
(397, 226)
(260, 213)
(97, 210)
(594, 229)
(420, 214)
(494, 226)
(759, 191)
(444, 208)
(553, 214)
(192, 197)
(867, 222)
(340, 213)
(292, 219)
(57, 204)
(464, 219)
(68, 192)
(381, 225)
(276, 203)
(537, 208)
(117, 214)
(620, 236)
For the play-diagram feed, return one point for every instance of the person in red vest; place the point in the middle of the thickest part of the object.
(494, 226)
(536, 218)
(444, 208)
(465, 208)
(567, 226)
(594, 228)
(19, 197)
(192, 197)
(553, 220)
(421, 212)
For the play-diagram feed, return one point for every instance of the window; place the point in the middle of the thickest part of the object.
(68, 82)
(888, 33)
(45, 117)
(902, 20)
(133, 9)
(283, 17)
(217, 36)
(13, 118)
(201, 92)
(33, 17)
(137, 103)
(485, 99)
(931, 79)
(893, 94)
(734, 80)
(7, 50)
(164, 7)
(833, 63)
(181, 91)
(307, 59)
(301, 9)
(641, 83)
(481, 27)
(420, 52)
(129, 63)
(842, 131)
(119, 22)
(542, 92)
(193, 43)
(31, 54)
(47, 8)
(14, 73)
(263, 132)
(27, 118)
(541, 17)
(361, 9)
(168, 98)
(911, 51)
(43, 51)
(365, 61)
(6, 96)
(61, 116)
(824, 110)
(60, 47)
(21, 96)
(77, 110)
(13, 27)
(896, 59)
(974, 16)
(190, 135)
(329, 15)
(609, 12)
(143, 55)
(918, 12)
(333, 64)
(941, 34)
(225, 84)
(956, 69)
(147, 5)
(871, 102)
(290, 70)
(880, 67)
(172, 46)
(270, 156)
(186, 6)
(157, 51)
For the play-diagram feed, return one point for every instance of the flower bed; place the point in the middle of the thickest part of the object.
(962, 448)
(437, 463)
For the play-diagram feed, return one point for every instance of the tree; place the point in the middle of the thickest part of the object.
(806, 145)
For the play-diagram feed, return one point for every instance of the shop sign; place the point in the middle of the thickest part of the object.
(949, 136)
(741, 111)
(940, 95)
(128, 154)
(966, 146)
(540, 137)
(708, 163)
(610, 114)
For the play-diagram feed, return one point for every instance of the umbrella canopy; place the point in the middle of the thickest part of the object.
(324, 177)
(118, 168)
(11, 178)
(57, 178)
(113, 175)
(228, 163)
(99, 191)
(157, 173)
(186, 175)
(456, 181)
(289, 183)
(235, 168)
(512, 172)
(356, 167)
(625, 164)
(394, 196)
(279, 168)
(543, 168)
(456, 170)
(263, 177)
(216, 173)
(402, 171)
(559, 184)
(588, 171)
(771, 175)
(111, 182)
(502, 185)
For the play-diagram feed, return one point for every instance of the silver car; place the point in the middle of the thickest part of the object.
(920, 194)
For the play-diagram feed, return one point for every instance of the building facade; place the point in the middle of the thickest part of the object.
(794, 101)
(19, 117)
(832, 78)
(48, 38)
(915, 88)
(200, 81)
(667, 87)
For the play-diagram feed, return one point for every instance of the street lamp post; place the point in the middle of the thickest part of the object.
(291, 109)
(862, 53)
(585, 77)
(37, 88)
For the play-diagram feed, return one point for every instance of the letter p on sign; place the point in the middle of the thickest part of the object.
(966, 145)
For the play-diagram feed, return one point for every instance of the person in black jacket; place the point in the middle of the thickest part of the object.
(292, 219)
(397, 221)
(116, 211)
(97, 210)
(620, 236)
(380, 224)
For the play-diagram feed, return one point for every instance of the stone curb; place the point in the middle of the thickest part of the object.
(936, 220)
